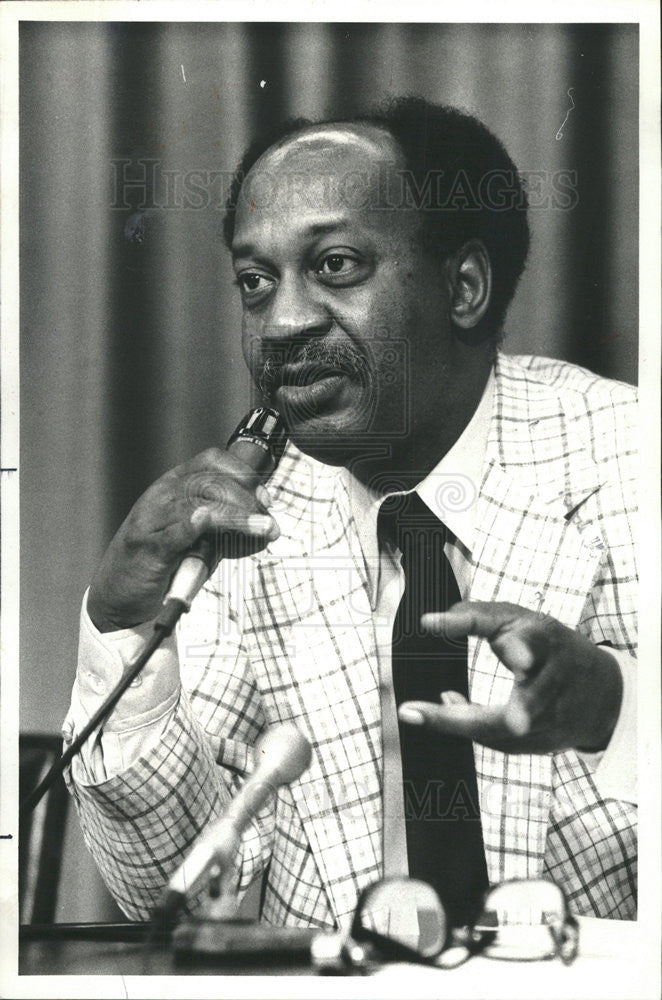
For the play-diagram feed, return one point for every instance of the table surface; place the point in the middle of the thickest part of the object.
(610, 964)
(76, 958)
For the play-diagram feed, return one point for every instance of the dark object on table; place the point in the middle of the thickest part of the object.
(41, 833)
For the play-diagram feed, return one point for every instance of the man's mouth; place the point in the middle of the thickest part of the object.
(314, 380)
(307, 391)
(308, 374)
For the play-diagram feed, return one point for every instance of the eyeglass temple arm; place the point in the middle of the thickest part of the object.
(566, 938)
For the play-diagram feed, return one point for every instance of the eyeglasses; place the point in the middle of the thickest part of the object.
(403, 919)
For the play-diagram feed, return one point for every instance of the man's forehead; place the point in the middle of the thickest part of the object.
(316, 179)
(328, 178)
(325, 146)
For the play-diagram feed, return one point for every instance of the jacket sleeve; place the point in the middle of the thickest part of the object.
(592, 838)
(610, 614)
(140, 822)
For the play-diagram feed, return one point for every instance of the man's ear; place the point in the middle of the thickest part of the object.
(470, 280)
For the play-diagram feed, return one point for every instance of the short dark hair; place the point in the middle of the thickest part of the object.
(477, 192)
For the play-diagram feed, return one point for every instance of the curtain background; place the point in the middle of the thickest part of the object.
(130, 358)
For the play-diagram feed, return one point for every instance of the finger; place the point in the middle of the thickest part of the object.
(255, 531)
(474, 722)
(235, 520)
(216, 460)
(486, 619)
(174, 512)
(489, 725)
(220, 491)
(507, 627)
(452, 698)
(517, 716)
(263, 497)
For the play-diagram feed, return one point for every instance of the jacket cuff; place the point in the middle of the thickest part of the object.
(615, 768)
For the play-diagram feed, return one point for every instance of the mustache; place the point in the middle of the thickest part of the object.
(313, 354)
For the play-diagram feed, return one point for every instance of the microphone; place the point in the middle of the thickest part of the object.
(282, 756)
(259, 441)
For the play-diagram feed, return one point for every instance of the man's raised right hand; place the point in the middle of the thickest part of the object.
(214, 492)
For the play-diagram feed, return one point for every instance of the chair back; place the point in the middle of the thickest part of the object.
(41, 833)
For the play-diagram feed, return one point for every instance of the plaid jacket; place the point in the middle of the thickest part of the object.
(288, 635)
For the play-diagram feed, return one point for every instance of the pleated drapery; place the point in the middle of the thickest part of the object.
(130, 358)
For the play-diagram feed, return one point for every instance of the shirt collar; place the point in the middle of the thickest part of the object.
(450, 490)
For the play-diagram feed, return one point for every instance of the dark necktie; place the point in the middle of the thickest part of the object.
(442, 817)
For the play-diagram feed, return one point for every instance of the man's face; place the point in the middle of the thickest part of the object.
(345, 325)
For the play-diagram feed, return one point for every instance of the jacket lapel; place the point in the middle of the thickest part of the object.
(531, 548)
(317, 666)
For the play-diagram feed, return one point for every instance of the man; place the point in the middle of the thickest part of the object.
(375, 278)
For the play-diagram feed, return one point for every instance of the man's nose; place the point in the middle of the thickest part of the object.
(297, 312)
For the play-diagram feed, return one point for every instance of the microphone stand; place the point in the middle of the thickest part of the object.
(170, 614)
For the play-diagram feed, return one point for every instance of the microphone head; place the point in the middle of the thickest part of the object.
(259, 439)
(283, 754)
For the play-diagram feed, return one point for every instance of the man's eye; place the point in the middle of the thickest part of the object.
(334, 264)
(251, 281)
(340, 264)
